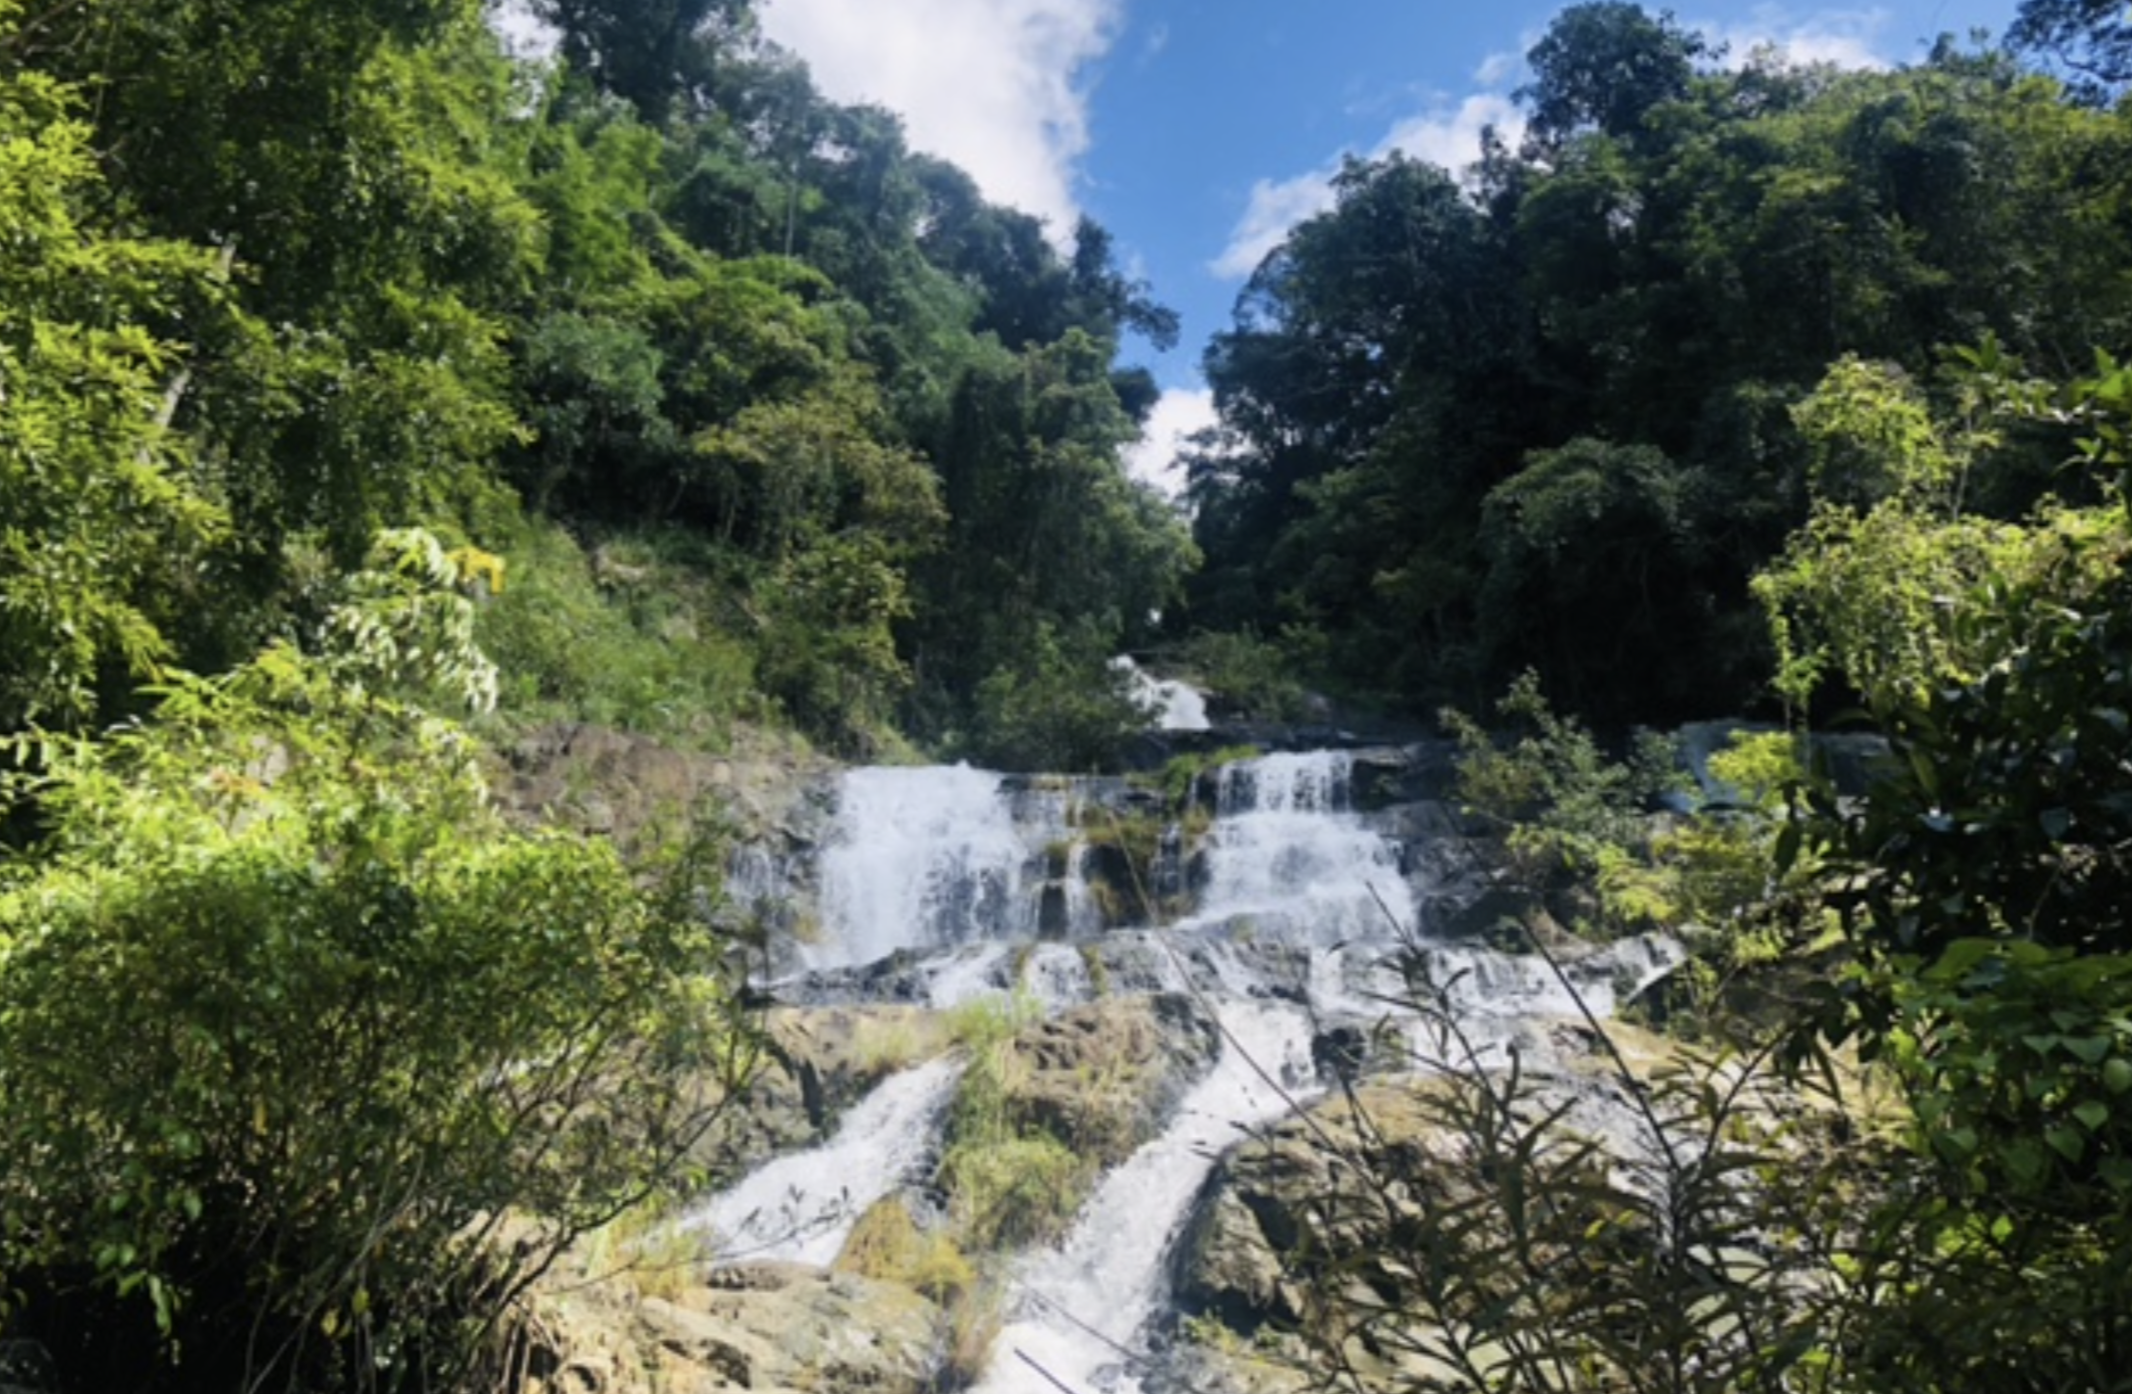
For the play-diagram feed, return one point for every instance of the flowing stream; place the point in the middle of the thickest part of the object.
(1082, 1306)
(802, 1206)
(941, 885)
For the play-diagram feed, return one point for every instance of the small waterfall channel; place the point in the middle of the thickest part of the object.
(940, 885)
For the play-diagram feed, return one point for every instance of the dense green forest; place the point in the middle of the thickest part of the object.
(368, 394)
(660, 318)
(359, 381)
(1541, 413)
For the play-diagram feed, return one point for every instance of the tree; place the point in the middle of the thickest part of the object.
(104, 514)
(1061, 704)
(2091, 38)
(1593, 570)
(1980, 885)
(1605, 66)
(1864, 597)
(1671, 269)
(650, 53)
(1044, 527)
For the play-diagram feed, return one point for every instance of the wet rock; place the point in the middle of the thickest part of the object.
(1339, 1053)
(817, 1062)
(785, 1327)
(1330, 1202)
(1377, 778)
(1495, 913)
(900, 979)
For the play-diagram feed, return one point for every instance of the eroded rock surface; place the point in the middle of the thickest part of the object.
(772, 1328)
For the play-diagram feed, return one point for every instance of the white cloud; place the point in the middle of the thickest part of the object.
(1178, 413)
(1453, 138)
(1275, 207)
(1498, 68)
(993, 85)
(1845, 38)
(1445, 135)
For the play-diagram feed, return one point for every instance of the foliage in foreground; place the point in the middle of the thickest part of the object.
(1977, 1235)
(308, 1064)
(1489, 1241)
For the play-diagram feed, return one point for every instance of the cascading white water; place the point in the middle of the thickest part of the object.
(1177, 706)
(1483, 983)
(932, 857)
(802, 1206)
(1082, 1304)
(1289, 856)
(1302, 912)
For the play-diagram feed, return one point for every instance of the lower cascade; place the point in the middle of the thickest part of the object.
(1079, 1304)
(1215, 960)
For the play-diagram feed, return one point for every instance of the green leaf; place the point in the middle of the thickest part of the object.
(2023, 1160)
(1785, 855)
(2093, 1114)
(2089, 1050)
(2066, 1142)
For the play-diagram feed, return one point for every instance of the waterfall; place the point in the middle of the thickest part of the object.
(802, 1206)
(1177, 706)
(943, 885)
(933, 857)
(1080, 1304)
(1288, 856)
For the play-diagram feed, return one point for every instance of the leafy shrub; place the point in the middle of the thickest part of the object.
(1245, 673)
(294, 1032)
(1478, 1238)
(629, 637)
(1180, 775)
(887, 1243)
(826, 650)
(1007, 1183)
(1061, 706)
(1005, 1192)
(1567, 811)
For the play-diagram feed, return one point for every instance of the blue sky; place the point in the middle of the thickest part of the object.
(1197, 131)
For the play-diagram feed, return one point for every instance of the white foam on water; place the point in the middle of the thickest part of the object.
(1288, 857)
(1080, 1304)
(802, 1206)
(1178, 706)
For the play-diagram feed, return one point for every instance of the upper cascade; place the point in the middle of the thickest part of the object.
(932, 857)
(1288, 853)
(954, 858)
(1178, 706)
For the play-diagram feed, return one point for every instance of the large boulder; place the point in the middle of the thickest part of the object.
(620, 784)
(1103, 1077)
(768, 1327)
(777, 1327)
(1261, 1206)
